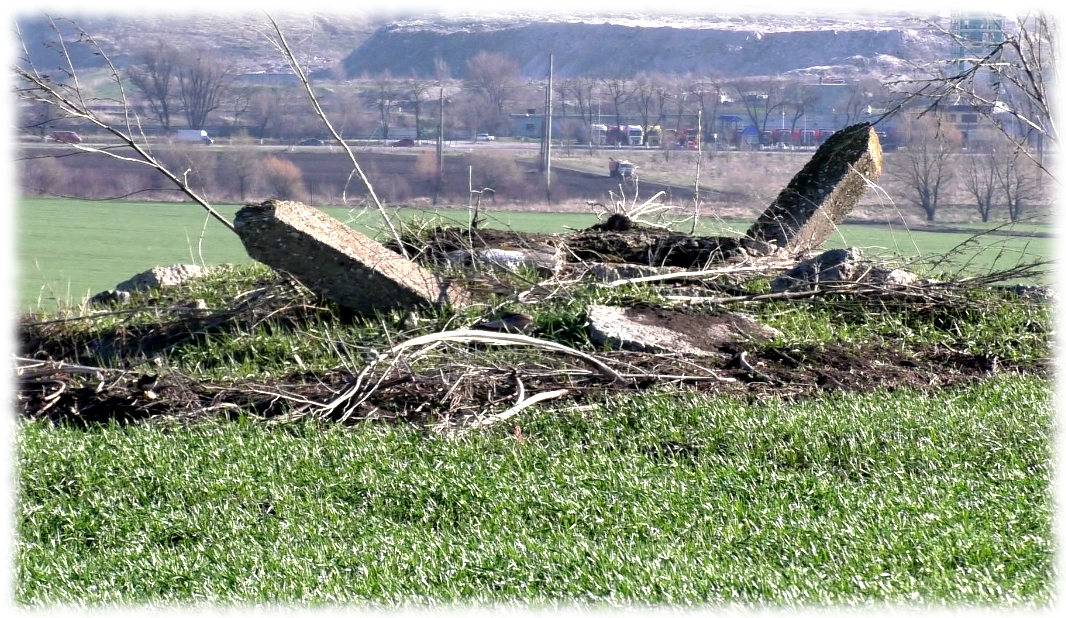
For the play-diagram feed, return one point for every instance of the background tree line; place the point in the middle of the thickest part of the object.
(175, 88)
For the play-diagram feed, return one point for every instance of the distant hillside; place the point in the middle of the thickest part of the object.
(838, 46)
(239, 36)
(621, 48)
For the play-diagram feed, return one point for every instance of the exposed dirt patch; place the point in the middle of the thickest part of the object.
(795, 372)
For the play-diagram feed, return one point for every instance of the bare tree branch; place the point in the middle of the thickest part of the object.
(68, 100)
(284, 48)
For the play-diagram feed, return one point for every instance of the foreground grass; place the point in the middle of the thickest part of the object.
(672, 498)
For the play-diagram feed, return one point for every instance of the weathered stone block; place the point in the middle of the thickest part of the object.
(817, 199)
(337, 262)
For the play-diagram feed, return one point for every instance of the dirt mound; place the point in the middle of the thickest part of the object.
(68, 394)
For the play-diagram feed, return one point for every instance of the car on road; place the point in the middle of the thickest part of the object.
(405, 142)
(311, 141)
(485, 137)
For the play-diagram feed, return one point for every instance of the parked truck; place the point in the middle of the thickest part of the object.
(623, 169)
(194, 135)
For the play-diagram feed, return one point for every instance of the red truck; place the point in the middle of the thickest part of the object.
(65, 137)
(623, 169)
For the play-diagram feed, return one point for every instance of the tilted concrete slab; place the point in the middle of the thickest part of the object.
(338, 262)
(806, 212)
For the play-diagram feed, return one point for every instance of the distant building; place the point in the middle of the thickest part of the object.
(981, 124)
(530, 125)
(973, 36)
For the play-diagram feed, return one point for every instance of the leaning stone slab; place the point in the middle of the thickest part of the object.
(666, 330)
(337, 262)
(817, 199)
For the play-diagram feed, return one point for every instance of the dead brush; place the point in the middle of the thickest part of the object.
(650, 212)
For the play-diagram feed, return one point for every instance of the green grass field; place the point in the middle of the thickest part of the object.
(646, 495)
(69, 249)
(849, 500)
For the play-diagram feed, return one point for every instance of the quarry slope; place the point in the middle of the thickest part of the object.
(623, 47)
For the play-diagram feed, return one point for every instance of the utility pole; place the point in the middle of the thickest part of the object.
(566, 130)
(440, 149)
(699, 162)
(548, 132)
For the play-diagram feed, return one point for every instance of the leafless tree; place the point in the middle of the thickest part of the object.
(155, 76)
(1008, 83)
(862, 97)
(64, 92)
(202, 84)
(797, 101)
(707, 92)
(347, 112)
(620, 91)
(263, 106)
(37, 118)
(1017, 177)
(978, 171)
(645, 96)
(924, 166)
(762, 98)
(280, 112)
(384, 97)
(419, 92)
(584, 92)
(495, 77)
(238, 103)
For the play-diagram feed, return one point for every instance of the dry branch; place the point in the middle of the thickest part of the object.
(282, 45)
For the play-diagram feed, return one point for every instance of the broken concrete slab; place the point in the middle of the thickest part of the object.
(817, 199)
(1038, 293)
(334, 260)
(511, 259)
(841, 266)
(832, 265)
(157, 277)
(672, 329)
(162, 277)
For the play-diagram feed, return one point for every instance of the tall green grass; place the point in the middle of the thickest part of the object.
(889, 497)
